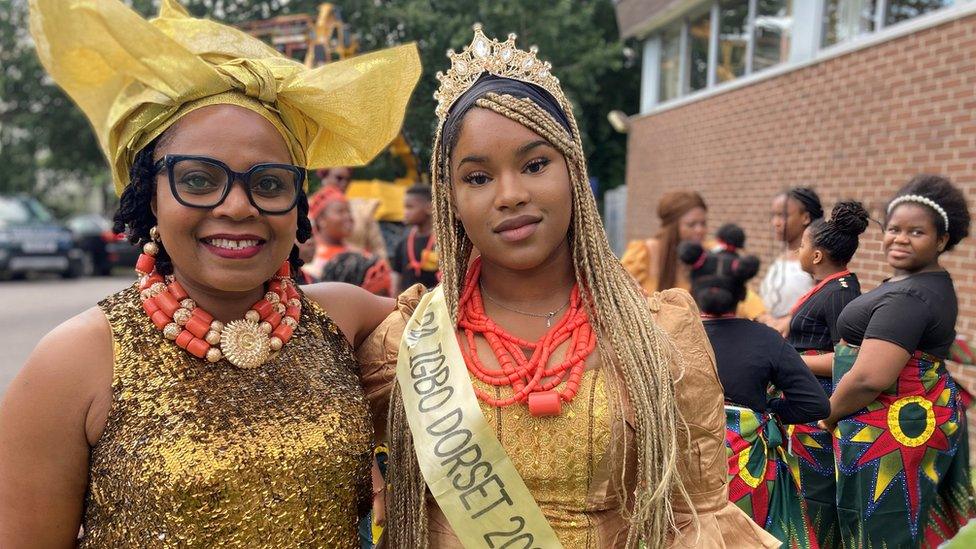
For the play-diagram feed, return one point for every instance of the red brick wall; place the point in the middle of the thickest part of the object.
(855, 126)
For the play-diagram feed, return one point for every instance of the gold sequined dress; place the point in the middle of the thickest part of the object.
(200, 455)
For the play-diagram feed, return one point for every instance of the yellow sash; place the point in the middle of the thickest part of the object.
(466, 468)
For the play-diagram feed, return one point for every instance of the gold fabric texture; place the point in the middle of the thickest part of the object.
(201, 455)
(558, 456)
(133, 78)
(637, 261)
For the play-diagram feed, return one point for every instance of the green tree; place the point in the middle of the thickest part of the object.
(40, 128)
(579, 38)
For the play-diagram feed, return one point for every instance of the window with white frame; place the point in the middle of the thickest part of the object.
(897, 11)
(847, 19)
(772, 33)
(699, 37)
(733, 40)
(670, 72)
(719, 41)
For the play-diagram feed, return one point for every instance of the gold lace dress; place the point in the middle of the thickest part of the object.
(200, 455)
(572, 463)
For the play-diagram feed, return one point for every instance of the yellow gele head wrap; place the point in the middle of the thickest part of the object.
(134, 78)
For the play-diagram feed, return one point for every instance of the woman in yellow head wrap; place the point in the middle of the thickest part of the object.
(212, 403)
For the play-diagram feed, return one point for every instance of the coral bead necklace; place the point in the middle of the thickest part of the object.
(532, 380)
(245, 343)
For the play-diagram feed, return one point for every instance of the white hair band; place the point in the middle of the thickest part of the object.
(921, 200)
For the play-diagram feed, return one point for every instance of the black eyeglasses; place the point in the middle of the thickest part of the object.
(203, 182)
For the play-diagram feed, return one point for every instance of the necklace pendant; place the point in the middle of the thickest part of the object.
(244, 344)
(545, 403)
(549, 318)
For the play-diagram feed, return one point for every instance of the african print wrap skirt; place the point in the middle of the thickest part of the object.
(760, 480)
(903, 477)
(810, 456)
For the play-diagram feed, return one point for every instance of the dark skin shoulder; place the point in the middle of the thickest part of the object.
(54, 411)
(356, 311)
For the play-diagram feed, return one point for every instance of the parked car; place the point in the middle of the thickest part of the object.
(103, 248)
(31, 240)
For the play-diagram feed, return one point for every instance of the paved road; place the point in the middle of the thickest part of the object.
(31, 308)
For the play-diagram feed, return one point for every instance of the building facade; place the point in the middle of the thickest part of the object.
(741, 99)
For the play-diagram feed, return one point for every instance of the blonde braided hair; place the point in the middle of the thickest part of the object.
(635, 350)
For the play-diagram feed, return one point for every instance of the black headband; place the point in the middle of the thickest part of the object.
(489, 83)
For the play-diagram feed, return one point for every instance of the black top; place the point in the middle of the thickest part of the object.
(750, 357)
(401, 263)
(917, 313)
(814, 325)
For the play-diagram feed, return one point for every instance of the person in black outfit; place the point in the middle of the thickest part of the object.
(916, 309)
(751, 356)
(825, 250)
(913, 311)
(415, 259)
(889, 374)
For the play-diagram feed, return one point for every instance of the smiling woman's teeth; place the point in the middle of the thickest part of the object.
(231, 244)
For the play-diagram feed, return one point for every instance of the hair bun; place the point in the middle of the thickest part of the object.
(745, 268)
(690, 252)
(849, 217)
(732, 234)
(716, 294)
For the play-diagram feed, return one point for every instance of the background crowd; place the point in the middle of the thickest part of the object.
(880, 463)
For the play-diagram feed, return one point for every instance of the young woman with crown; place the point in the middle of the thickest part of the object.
(538, 398)
(213, 403)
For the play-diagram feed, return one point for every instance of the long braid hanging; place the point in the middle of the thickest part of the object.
(637, 352)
